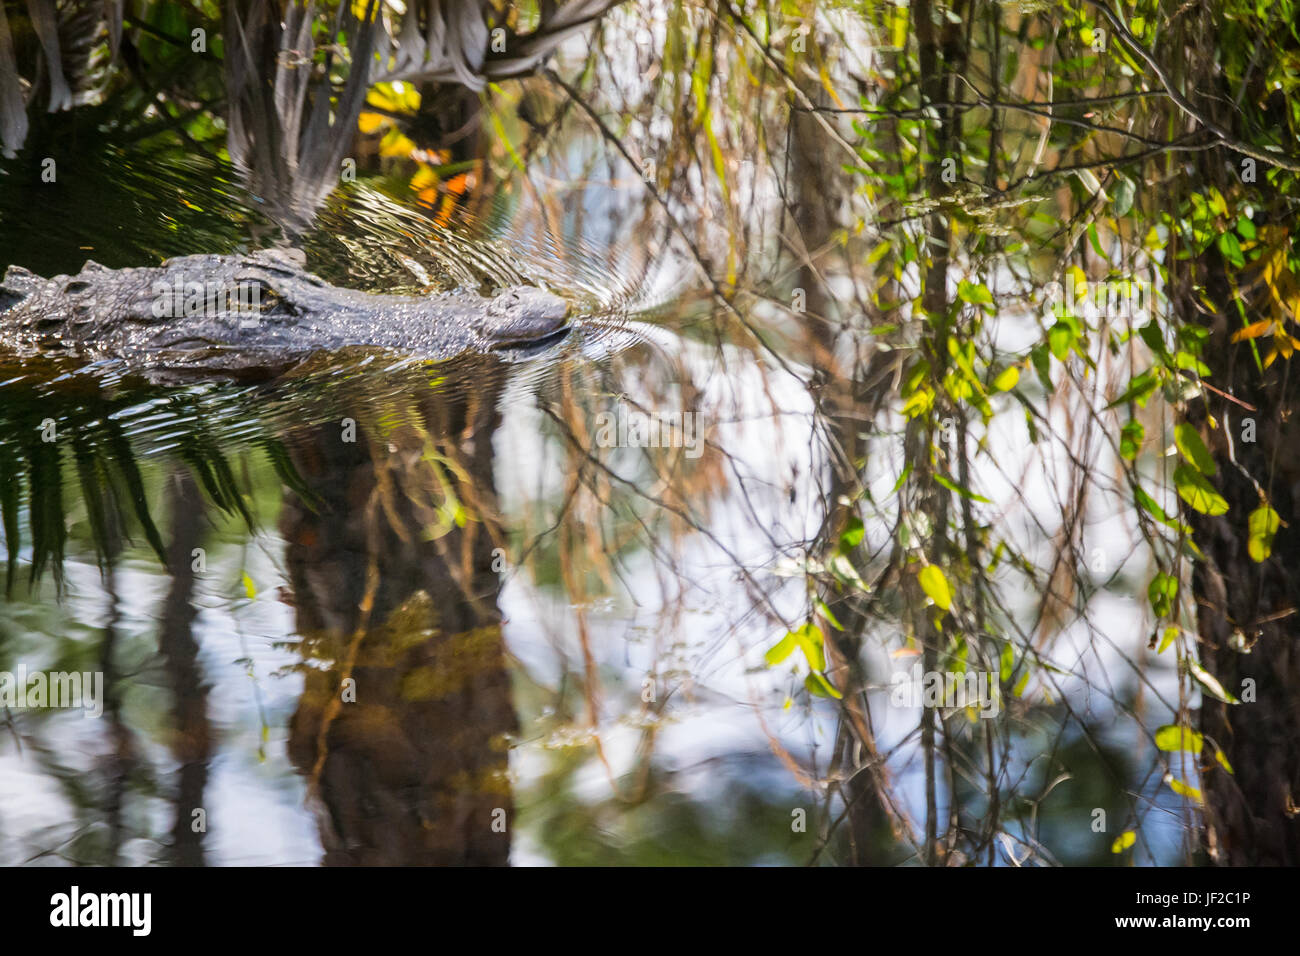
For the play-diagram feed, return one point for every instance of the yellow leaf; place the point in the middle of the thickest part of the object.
(395, 144)
(935, 585)
(371, 122)
(1253, 331)
(1177, 786)
(899, 24)
(920, 403)
(1080, 279)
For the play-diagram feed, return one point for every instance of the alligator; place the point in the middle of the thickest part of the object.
(254, 312)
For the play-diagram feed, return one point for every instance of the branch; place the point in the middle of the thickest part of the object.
(1273, 159)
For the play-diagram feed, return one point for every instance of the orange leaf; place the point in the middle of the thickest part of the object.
(1252, 331)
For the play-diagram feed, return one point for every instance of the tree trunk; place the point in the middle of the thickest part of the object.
(1249, 631)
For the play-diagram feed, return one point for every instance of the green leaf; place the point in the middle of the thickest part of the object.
(935, 585)
(1096, 242)
(960, 489)
(783, 649)
(1154, 337)
(1006, 663)
(919, 403)
(1123, 841)
(1188, 361)
(1199, 494)
(1043, 366)
(1231, 250)
(1262, 524)
(1193, 449)
(1169, 636)
(1059, 339)
(852, 534)
(1172, 737)
(826, 613)
(817, 685)
(1130, 439)
(976, 294)
(915, 377)
(1163, 592)
(1007, 378)
(1152, 507)
(907, 470)
(812, 641)
(1216, 202)
(1122, 195)
(1139, 389)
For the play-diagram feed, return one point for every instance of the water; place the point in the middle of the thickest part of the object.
(378, 610)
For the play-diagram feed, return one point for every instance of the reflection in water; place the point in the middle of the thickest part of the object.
(380, 476)
(401, 510)
(390, 523)
(191, 729)
(403, 721)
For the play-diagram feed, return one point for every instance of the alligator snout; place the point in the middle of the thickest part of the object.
(524, 315)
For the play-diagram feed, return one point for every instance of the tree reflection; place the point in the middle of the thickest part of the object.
(404, 721)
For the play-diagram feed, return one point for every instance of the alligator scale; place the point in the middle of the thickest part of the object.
(258, 311)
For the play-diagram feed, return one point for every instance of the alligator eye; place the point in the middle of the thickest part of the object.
(259, 298)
